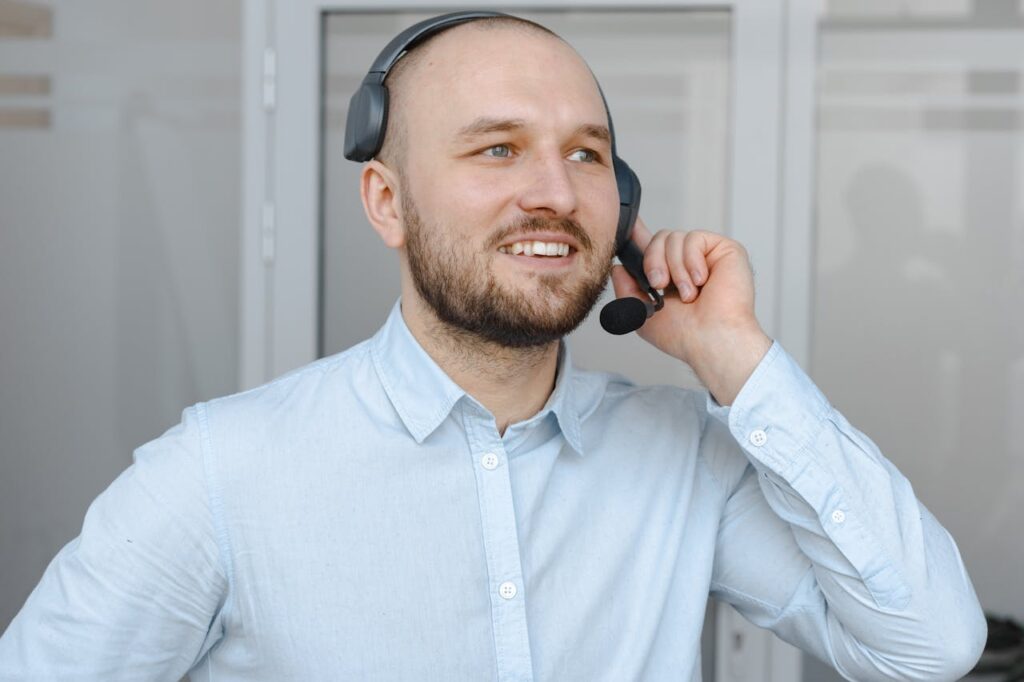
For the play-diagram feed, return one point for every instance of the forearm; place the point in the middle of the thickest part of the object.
(889, 596)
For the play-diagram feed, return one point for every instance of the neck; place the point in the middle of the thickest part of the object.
(512, 383)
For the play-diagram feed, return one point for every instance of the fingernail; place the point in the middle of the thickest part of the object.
(685, 290)
(654, 276)
(696, 276)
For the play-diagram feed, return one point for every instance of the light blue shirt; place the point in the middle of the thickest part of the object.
(361, 518)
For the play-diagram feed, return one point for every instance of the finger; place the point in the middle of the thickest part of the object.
(641, 235)
(625, 285)
(654, 260)
(699, 244)
(674, 254)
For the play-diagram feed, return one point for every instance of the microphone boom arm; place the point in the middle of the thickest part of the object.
(633, 260)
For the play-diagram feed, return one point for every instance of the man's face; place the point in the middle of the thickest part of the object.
(507, 147)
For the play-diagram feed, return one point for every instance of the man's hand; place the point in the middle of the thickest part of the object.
(708, 320)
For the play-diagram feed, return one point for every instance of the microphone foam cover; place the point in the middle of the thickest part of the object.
(623, 315)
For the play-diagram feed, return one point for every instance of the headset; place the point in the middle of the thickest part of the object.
(367, 123)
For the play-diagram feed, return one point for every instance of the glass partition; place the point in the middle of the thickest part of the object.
(918, 323)
(120, 153)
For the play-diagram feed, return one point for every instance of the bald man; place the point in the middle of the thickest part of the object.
(454, 500)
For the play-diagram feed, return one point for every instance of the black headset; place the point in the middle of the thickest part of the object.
(368, 118)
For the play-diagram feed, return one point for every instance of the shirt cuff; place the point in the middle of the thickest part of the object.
(778, 410)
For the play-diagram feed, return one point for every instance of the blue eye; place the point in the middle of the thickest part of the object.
(589, 155)
(501, 151)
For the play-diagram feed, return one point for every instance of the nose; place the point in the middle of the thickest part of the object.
(548, 187)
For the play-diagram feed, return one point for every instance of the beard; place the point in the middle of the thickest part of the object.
(461, 289)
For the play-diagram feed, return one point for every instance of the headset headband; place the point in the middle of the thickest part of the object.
(417, 33)
(368, 111)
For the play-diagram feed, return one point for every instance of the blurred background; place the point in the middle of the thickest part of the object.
(142, 249)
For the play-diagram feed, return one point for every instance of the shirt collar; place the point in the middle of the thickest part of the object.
(423, 395)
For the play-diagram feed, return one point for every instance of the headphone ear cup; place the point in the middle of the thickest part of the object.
(629, 201)
(367, 121)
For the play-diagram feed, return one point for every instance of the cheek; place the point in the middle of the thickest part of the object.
(604, 200)
(467, 202)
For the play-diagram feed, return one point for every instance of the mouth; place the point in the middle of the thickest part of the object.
(538, 255)
(537, 249)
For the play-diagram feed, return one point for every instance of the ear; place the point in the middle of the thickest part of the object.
(379, 189)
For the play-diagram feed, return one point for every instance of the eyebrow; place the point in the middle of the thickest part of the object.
(486, 124)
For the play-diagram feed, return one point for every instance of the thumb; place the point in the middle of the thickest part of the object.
(625, 285)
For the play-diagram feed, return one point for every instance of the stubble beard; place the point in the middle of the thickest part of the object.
(463, 293)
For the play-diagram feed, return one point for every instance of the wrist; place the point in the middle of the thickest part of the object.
(725, 357)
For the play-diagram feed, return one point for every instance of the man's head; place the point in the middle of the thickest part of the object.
(497, 135)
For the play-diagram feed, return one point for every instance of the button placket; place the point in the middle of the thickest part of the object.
(501, 544)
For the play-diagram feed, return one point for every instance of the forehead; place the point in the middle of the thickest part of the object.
(500, 72)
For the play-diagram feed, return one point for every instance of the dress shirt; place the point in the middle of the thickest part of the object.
(361, 518)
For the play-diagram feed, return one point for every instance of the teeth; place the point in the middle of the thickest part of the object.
(556, 249)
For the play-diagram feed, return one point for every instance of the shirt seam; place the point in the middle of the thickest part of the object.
(699, 401)
(212, 485)
(721, 587)
(792, 605)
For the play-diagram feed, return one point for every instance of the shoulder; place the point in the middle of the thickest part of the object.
(607, 395)
(656, 418)
(295, 392)
(660, 414)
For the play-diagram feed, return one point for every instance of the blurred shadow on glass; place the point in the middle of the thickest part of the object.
(918, 329)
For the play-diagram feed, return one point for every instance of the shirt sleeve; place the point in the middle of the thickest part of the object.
(823, 541)
(136, 596)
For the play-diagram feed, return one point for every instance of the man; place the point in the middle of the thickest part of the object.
(453, 500)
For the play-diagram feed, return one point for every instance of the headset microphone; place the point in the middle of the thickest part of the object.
(625, 315)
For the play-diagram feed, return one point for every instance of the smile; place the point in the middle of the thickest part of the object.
(535, 248)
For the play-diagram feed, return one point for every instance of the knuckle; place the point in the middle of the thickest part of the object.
(679, 272)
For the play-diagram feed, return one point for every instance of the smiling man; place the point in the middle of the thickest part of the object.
(454, 500)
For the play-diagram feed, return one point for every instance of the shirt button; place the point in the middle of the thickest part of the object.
(838, 516)
(758, 437)
(490, 461)
(507, 589)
